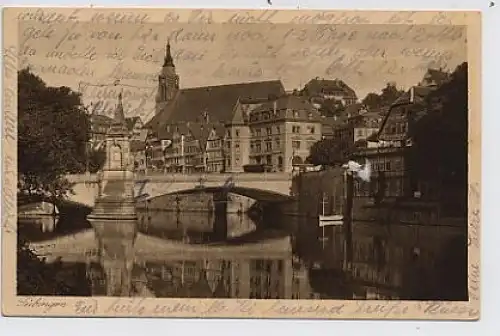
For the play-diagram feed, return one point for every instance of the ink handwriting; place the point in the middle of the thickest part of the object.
(46, 305)
(9, 141)
(246, 307)
(130, 46)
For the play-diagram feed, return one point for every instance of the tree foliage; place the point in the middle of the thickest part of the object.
(53, 132)
(441, 136)
(325, 152)
(36, 277)
(97, 159)
(387, 96)
(331, 107)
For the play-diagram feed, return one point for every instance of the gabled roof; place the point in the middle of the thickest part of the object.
(217, 101)
(414, 96)
(291, 104)
(198, 130)
(319, 86)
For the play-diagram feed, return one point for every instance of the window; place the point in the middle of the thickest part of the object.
(277, 141)
(237, 133)
(295, 129)
(296, 144)
(311, 129)
(269, 146)
(269, 130)
(277, 129)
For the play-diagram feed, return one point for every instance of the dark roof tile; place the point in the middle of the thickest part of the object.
(328, 86)
(217, 101)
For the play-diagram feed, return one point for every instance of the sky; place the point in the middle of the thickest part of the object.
(90, 57)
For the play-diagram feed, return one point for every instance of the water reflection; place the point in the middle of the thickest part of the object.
(195, 227)
(381, 262)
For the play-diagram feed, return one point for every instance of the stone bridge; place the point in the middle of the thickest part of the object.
(259, 186)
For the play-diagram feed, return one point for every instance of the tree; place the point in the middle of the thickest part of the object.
(325, 152)
(388, 95)
(97, 159)
(441, 136)
(36, 277)
(53, 131)
(331, 107)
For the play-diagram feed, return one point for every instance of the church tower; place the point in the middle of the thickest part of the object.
(168, 81)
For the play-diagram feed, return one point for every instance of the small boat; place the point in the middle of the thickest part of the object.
(328, 220)
(37, 209)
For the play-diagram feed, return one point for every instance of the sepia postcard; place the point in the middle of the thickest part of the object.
(241, 163)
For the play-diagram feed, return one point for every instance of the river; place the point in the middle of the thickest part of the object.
(379, 262)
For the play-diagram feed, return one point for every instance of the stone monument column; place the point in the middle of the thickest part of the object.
(114, 217)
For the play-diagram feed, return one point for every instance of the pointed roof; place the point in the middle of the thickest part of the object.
(119, 125)
(168, 61)
(119, 116)
(238, 115)
(218, 101)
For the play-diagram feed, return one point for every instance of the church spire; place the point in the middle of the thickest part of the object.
(119, 114)
(168, 56)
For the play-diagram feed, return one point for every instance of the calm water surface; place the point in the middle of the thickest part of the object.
(388, 262)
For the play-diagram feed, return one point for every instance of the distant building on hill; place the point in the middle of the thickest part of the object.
(319, 90)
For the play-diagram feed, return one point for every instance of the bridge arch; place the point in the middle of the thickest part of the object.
(254, 193)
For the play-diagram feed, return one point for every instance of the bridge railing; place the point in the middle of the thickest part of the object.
(209, 177)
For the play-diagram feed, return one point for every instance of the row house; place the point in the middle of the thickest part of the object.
(389, 151)
(276, 132)
(194, 147)
(282, 131)
(357, 127)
